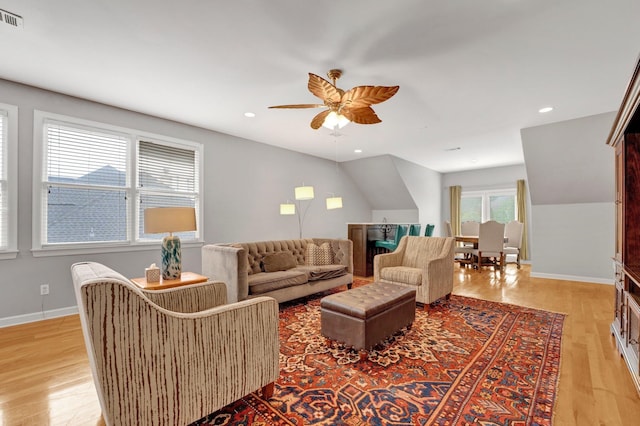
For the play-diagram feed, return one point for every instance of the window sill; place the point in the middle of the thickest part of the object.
(9, 254)
(75, 250)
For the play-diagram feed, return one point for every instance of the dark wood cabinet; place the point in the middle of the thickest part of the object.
(364, 237)
(625, 138)
(358, 235)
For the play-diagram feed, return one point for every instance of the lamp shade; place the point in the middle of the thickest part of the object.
(304, 193)
(334, 203)
(287, 209)
(159, 220)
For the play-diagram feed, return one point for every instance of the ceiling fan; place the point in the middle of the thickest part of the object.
(354, 105)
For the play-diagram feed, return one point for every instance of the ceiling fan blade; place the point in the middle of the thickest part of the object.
(365, 115)
(363, 96)
(317, 121)
(298, 106)
(323, 89)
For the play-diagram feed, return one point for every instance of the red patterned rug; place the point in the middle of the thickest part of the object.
(464, 361)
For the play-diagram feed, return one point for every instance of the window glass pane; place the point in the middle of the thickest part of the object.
(161, 200)
(79, 155)
(85, 215)
(471, 209)
(502, 208)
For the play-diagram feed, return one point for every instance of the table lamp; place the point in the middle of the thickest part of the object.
(159, 220)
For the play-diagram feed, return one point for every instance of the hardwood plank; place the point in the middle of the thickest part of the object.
(45, 376)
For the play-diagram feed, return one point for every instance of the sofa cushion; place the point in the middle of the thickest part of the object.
(402, 274)
(263, 282)
(278, 262)
(319, 255)
(322, 272)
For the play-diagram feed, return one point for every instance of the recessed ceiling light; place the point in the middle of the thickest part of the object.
(545, 109)
(357, 151)
(249, 114)
(457, 148)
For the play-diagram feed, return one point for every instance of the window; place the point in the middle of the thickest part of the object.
(8, 181)
(498, 205)
(98, 179)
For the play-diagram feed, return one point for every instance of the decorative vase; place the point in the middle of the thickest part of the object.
(171, 258)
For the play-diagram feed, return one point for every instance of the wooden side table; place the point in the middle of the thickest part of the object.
(186, 278)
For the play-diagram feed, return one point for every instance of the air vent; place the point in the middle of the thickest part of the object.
(10, 19)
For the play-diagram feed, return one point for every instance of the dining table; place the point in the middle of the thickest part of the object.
(472, 239)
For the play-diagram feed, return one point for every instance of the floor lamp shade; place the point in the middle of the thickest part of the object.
(304, 193)
(160, 220)
(334, 203)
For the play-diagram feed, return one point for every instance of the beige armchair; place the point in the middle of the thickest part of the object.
(170, 357)
(423, 263)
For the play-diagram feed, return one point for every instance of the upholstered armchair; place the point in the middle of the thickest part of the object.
(170, 357)
(423, 263)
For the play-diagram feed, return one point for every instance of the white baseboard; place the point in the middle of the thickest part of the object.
(571, 278)
(37, 316)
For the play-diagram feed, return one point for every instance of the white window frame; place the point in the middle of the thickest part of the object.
(10, 156)
(132, 243)
(485, 194)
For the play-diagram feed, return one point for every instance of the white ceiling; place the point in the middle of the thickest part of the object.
(471, 73)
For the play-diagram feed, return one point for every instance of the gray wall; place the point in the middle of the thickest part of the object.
(571, 180)
(244, 183)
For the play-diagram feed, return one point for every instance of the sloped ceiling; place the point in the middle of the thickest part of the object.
(378, 179)
(569, 162)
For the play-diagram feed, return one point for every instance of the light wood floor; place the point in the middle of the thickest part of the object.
(45, 377)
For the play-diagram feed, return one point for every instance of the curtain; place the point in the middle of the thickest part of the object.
(455, 193)
(521, 196)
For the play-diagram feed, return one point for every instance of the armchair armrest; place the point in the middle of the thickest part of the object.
(190, 298)
(227, 264)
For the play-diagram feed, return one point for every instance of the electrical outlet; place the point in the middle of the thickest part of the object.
(44, 289)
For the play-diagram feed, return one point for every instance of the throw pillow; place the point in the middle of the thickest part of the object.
(319, 255)
(278, 262)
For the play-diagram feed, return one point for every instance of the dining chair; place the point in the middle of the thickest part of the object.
(465, 251)
(490, 245)
(414, 229)
(447, 229)
(470, 227)
(428, 231)
(513, 234)
(391, 245)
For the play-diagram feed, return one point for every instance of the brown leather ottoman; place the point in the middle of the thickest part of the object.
(365, 316)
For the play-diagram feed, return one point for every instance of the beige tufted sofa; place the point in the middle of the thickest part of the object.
(240, 266)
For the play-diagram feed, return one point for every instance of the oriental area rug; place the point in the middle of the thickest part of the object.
(464, 361)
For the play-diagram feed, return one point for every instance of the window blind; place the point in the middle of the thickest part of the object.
(167, 177)
(81, 155)
(84, 191)
(166, 168)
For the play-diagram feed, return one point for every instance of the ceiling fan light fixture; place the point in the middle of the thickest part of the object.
(334, 119)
